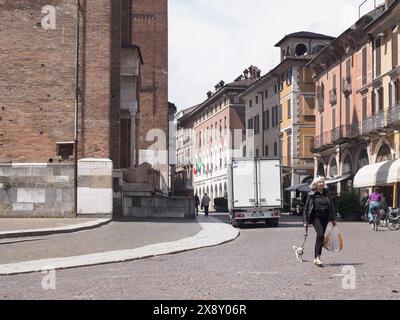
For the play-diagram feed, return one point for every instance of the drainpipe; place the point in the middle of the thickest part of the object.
(76, 103)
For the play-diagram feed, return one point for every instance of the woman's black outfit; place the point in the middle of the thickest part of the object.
(319, 210)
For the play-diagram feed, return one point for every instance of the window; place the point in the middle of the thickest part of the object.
(378, 56)
(250, 126)
(380, 97)
(308, 145)
(348, 68)
(266, 151)
(251, 103)
(309, 106)
(289, 148)
(266, 94)
(212, 132)
(257, 153)
(334, 81)
(373, 102)
(256, 99)
(333, 118)
(321, 125)
(395, 47)
(225, 125)
(289, 77)
(273, 117)
(257, 124)
(266, 120)
(279, 111)
(65, 150)
(220, 128)
(348, 110)
(277, 115)
(200, 139)
(289, 108)
(364, 66)
(364, 107)
(275, 149)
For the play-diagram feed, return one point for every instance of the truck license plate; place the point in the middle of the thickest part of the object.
(257, 214)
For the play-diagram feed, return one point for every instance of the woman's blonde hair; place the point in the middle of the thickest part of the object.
(316, 181)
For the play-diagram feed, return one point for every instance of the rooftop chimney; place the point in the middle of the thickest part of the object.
(209, 94)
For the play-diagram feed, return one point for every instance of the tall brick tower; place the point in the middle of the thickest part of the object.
(40, 89)
(150, 33)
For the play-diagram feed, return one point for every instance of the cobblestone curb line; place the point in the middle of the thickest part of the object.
(49, 231)
(214, 233)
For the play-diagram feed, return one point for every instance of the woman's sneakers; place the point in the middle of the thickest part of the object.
(318, 262)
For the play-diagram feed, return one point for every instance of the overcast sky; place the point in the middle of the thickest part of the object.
(214, 40)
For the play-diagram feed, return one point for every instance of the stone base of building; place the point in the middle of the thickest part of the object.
(37, 190)
(30, 190)
(153, 206)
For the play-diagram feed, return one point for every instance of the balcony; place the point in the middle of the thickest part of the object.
(333, 96)
(347, 86)
(374, 123)
(394, 117)
(336, 136)
(322, 142)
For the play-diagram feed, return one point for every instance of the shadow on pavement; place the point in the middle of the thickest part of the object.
(334, 265)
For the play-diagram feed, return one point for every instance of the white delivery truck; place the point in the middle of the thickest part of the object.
(255, 191)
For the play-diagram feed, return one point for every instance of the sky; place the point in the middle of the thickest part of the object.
(214, 40)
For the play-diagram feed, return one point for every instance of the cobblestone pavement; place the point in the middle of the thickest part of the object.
(114, 236)
(7, 224)
(259, 265)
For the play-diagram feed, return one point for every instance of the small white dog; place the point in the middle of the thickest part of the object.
(299, 251)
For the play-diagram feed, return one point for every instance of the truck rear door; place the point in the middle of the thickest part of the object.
(243, 184)
(269, 183)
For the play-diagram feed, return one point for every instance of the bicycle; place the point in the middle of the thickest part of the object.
(394, 219)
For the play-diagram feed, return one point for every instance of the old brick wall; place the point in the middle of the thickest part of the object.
(37, 79)
(150, 32)
(95, 135)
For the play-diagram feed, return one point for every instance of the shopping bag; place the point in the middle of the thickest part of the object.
(334, 240)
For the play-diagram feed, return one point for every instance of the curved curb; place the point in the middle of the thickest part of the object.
(213, 234)
(49, 231)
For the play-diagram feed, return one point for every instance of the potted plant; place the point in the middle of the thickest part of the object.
(349, 207)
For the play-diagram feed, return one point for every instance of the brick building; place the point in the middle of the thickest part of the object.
(38, 82)
(150, 31)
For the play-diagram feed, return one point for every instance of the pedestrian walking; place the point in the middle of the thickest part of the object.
(319, 210)
(196, 204)
(205, 203)
(364, 204)
(374, 204)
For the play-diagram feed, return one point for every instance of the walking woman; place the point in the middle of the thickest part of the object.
(319, 210)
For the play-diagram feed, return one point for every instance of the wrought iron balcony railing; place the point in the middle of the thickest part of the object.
(347, 85)
(333, 96)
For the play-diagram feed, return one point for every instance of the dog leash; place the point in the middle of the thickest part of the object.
(305, 237)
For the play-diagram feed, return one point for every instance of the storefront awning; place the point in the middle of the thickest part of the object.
(304, 187)
(378, 174)
(338, 179)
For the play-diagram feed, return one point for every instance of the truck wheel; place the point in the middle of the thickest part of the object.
(236, 224)
(273, 223)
